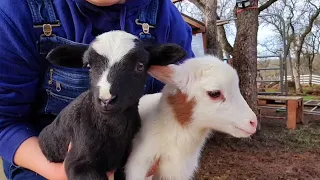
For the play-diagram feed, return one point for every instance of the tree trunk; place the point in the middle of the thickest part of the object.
(211, 27)
(220, 51)
(296, 75)
(310, 75)
(245, 54)
(311, 65)
(224, 44)
(291, 67)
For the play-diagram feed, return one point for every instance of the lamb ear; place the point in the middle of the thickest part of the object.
(173, 74)
(85, 59)
(165, 54)
(162, 73)
(67, 55)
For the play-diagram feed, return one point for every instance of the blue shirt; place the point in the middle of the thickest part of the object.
(20, 62)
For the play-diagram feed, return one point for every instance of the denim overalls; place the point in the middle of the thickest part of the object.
(60, 85)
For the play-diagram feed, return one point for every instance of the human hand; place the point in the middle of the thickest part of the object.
(62, 173)
(30, 156)
(153, 168)
(58, 170)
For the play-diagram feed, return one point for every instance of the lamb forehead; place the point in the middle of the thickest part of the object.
(209, 65)
(212, 69)
(114, 45)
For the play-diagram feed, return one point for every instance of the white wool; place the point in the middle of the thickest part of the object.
(104, 86)
(114, 45)
(179, 147)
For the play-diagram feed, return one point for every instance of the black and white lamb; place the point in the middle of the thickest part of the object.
(101, 122)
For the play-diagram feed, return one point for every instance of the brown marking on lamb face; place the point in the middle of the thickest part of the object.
(182, 108)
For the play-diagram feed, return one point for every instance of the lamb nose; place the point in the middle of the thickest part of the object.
(253, 123)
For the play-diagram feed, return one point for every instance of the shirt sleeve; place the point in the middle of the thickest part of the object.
(19, 77)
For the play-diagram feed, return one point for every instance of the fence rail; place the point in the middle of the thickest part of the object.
(304, 79)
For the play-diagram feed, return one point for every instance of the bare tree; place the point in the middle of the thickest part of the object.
(211, 27)
(300, 42)
(222, 37)
(244, 52)
(190, 10)
(283, 7)
(209, 9)
(300, 17)
(311, 49)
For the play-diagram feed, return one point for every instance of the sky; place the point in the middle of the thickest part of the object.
(263, 33)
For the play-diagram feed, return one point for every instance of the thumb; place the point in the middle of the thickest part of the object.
(153, 168)
(110, 175)
(69, 147)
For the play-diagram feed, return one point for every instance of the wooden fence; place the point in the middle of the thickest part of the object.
(304, 79)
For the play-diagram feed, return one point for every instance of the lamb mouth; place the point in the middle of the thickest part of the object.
(108, 109)
(245, 131)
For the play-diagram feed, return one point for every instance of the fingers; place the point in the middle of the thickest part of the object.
(69, 147)
(110, 175)
(153, 168)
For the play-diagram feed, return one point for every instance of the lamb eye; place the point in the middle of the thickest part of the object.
(140, 66)
(214, 94)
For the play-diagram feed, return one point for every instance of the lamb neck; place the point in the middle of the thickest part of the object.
(188, 135)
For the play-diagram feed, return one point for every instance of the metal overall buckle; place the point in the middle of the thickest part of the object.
(47, 28)
(145, 27)
(47, 31)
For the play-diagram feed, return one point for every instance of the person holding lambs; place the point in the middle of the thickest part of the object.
(33, 92)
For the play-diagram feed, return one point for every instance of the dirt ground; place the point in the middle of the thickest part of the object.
(273, 153)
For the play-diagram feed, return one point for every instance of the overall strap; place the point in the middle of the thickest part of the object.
(42, 12)
(44, 17)
(148, 19)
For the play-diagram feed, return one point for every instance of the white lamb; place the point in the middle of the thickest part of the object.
(200, 95)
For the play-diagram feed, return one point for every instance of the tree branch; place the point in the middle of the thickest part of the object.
(266, 5)
(223, 39)
(309, 26)
(200, 4)
(274, 23)
(306, 32)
